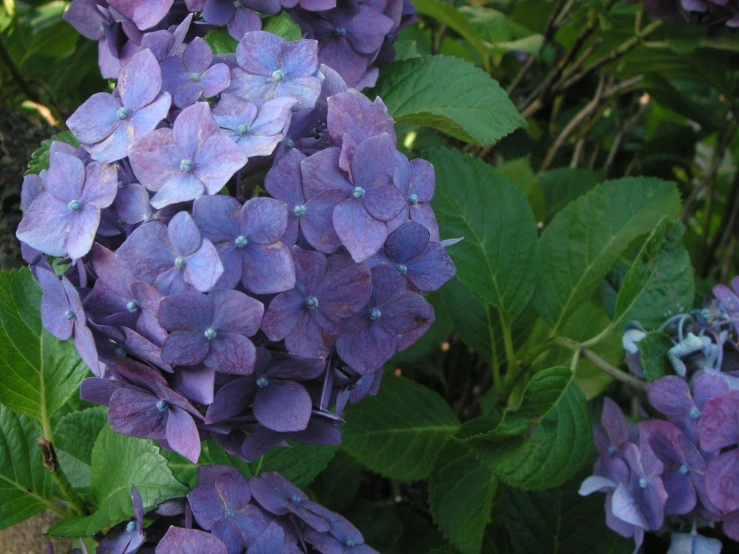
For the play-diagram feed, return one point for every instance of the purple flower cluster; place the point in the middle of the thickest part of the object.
(682, 470)
(354, 37)
(708, 12)
(228, 313)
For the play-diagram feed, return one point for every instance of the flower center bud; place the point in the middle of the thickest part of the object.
(349, 543)
(612, 450)
(210, 333)
(299, 210)
(296, 498)
(123, 113)
(131, 527)
(241, 241)
(262, 382)
(311, 302)
(389, 37)
(244, 129)
(195, 77)
(121, 184)
(375, 314)
(238, 4)
(694, 413)
(179, 262)
(358, 193)
(289, 144)
(401, 269)
(684, 470)
(229, 513)
(69, 314)
(278, 75)
(132, 306)
(339, 32)
(74, 206)
(120, 352)
(359, 382)
(643, 483)
(162, 406)
(413, 199)
(186, 165)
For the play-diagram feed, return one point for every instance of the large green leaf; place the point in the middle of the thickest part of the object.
(497, 260)
(545, 441)
(660, 282)
(221, 42)
(211, 453)
(38, 373)
(561, 186)
(587, 237)
(284, 26)
(501, 34)
(653, 350)
(560, 521)
(74, 438)
(25, 485)
(300, 463)
(337, 485)
(461, 491)
(118, 462)
(450, 95)
(399, 432)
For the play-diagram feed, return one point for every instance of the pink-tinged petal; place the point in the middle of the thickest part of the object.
(244, 21)
(671, 396)
(308, 338)
(132, 204)
(300, 58)
(204, 267)
(156, 159)
(234, 490)
(317, 223)
(146, 119)
(384, 202)
(144, 14)
(231, 353)
(260, 53)
(44, 225)
(217, 161)
(190, 311)
(182, 434)
(283, 314)
(215, 80)
(84, 16)
(217, 217)
(367, 346)
(134, 412)
(193, 127)
(321, 172)
(254, 88)
(82, 230)
(273, 116)
(197, 56)
(140, 80)
(406, 312)
(101, 185)
(353, 115)
(96, 119)
(722, 486)
(235, 312)
(283, 406)
(346, 287)
(171, 281)
(424, 214)
(304, 90)
(360, 233)
(190, 541)
(268, 268)
(315, 5)
(263, 220)
(145, 253)
(110, 65)
(731, 526)
(184, 234)
(183, 187)
(233, 111)
(66, 177)
(717, 426)
(185, 348)
(254, 145)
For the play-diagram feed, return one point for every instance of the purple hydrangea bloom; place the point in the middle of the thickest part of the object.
(311, 5)
(690, 543)
(239, 17)
(248, 241)
(312, 216)
(371, 337)
(371, 198)
(110, 124)
(611, 437)
(728, 300)
(62, 315)
(172, 257)
(425, 265)
(190, 77)
(270, 67)
(145, 14)
(132, 536)
(211, 329)
(190, 541)
(341, 538)
(64, 218)
(417, 181)
(327, 291)
(257, 131)
(320, 430)
(189, 160)
(131, 204)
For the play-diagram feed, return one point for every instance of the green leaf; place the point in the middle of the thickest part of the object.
(450, 95)
(300, 463)
(337, 486)
(284, 26)
(74, 438)
(118, 462)
(546, 440)
(562, 186)
(660, 282)
(461, 491)
(399, 432)
(653, 349)
(38, 373)
(25, 485)
(586, 238)
(560, 521)
(40, 158)
(500, 33)
(497, 260)
(211, 453)
(221, 42)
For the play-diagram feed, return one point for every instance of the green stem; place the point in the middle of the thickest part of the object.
(600, 363)
(575, 360)
(510, 353)
(52, 464)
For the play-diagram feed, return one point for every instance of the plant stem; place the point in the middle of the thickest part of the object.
(600, 363)
(7, 59)
(51, 463)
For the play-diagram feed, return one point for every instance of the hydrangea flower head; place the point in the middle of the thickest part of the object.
(132, 536)
(239, 17)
